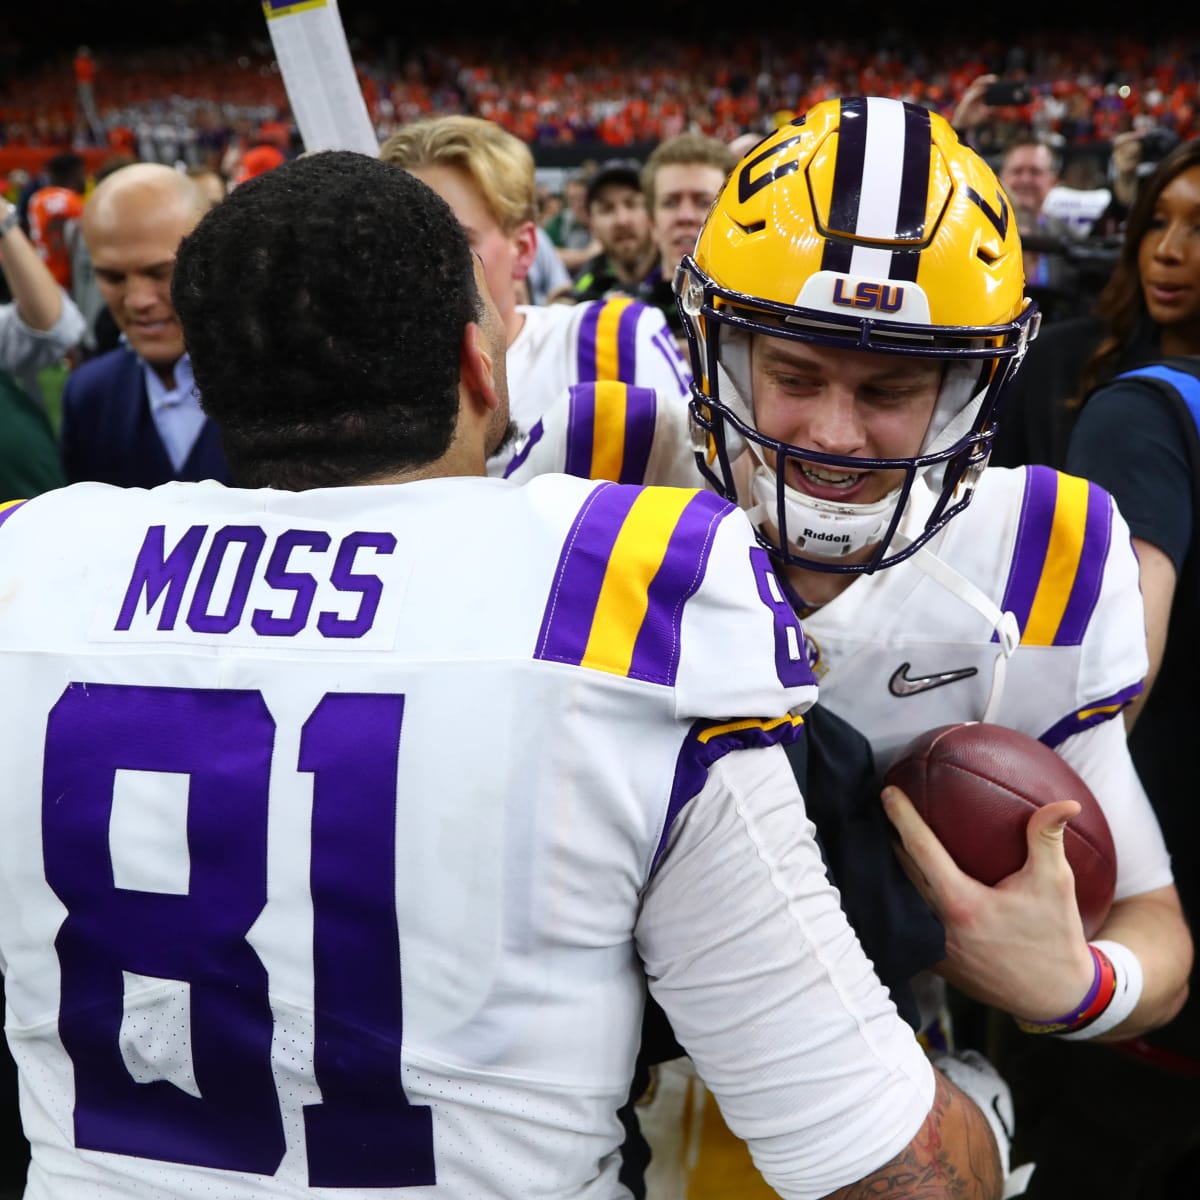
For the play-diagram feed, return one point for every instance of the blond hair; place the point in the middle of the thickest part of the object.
(685, 149)
(500, 164)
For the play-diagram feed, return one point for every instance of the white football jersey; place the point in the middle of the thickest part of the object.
(559, 345)
(898, 652)
(331, 824)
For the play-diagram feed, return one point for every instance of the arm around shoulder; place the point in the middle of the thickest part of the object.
(750, 955)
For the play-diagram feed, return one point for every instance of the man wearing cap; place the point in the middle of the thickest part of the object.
(620, 222)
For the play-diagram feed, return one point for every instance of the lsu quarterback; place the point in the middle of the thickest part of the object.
(854, 309)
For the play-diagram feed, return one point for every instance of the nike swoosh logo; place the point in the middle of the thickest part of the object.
(901, 684)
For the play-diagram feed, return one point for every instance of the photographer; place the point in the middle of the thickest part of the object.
(1135, 154)
(1149, 309)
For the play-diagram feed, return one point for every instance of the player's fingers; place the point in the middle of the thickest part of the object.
(1046, 829)
(922, 845)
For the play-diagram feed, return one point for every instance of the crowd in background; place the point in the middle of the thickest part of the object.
(1101, 113)
(174, 103)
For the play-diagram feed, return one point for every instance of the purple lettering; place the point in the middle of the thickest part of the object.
(370, 586)
(839, 293)
(891, 299)
(155, 571)
(281, 579)
(252, 539)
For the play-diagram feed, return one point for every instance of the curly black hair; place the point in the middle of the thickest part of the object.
(323, 304)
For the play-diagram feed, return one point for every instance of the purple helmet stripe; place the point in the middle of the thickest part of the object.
(914, 183)
(847, 183)
(914, 191)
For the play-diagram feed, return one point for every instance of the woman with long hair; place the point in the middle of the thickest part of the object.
(1148, 310)
(1127, 410)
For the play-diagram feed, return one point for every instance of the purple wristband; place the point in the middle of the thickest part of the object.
(1075, 1016)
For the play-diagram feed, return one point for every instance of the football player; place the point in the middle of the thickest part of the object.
(320, 874)
(486, 175)
(855, 308)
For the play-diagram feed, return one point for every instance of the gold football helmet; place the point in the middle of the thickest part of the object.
(863, 224)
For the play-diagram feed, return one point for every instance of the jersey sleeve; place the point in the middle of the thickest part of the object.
(668, 587)
(610, 430)
(1100, 756)
(620, 338)
(769, 991)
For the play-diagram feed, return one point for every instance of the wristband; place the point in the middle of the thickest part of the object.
(1127, 993)
(9, 221)
(1095, 1002)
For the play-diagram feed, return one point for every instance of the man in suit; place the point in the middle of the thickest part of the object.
(132, 417)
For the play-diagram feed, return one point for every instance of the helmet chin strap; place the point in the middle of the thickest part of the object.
(815, 527)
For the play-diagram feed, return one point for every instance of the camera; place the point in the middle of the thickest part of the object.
(1005, 93)
(1157, 143)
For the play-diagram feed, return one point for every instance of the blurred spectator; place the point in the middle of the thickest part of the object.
(260, 157)
(1134, 155)
(1028, 170)
(487, 177)
(211, 182)
(680, 181)
(54, 212)
(620, 222)
(570, 229)
(1080, 196)
(85, 90)
(548, 279)
(132, 417)
(37, 328)
(1148, 310)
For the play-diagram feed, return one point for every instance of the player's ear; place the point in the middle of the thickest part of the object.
(477, 369)
(524, 239)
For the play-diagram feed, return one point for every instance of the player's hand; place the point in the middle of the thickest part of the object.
(1018, 946)
(971, 110)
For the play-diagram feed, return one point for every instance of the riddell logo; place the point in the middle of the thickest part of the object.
(812, 535)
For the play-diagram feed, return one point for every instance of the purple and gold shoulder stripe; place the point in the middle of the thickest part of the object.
(8, 508)
(610, 431)
(607, 344)
(632, 559)
(708, 741)
(1058, 562)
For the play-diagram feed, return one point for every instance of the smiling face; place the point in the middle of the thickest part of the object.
(851, 403)
(132, 235)
(1028, 175)
(1169, 264)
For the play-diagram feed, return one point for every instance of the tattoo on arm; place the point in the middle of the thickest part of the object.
(952, 1157)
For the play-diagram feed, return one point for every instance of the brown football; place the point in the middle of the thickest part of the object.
(976, 785)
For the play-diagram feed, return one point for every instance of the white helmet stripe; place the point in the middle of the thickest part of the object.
(883, 177)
